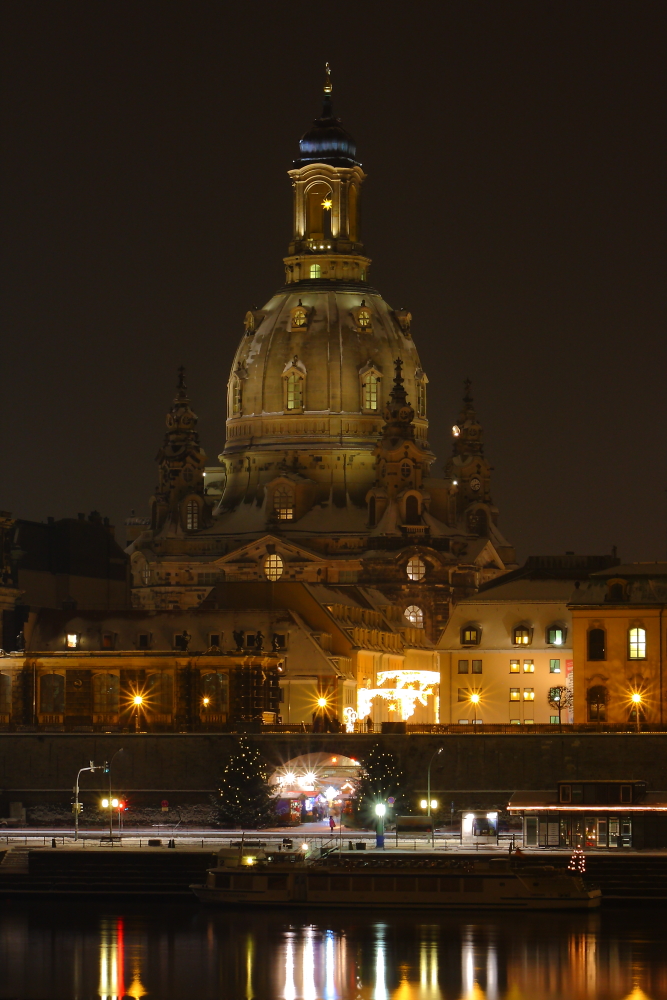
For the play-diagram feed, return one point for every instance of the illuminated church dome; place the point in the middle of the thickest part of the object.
(327, 141)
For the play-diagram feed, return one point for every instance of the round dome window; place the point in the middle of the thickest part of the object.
(416, 569)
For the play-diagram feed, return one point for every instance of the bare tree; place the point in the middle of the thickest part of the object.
(560, 698)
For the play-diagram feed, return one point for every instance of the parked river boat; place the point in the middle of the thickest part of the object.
(398, 882)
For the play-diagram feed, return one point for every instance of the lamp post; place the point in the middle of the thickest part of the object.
(429, 803)
(76, 796)
(107, 769)
(636, 701)
(380, 812)
(137, 701)
(474, 701)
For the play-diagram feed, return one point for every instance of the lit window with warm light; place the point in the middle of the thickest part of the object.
(529, 666)
(416, 569)
(515, 666)
(529, 694)
(414, 615)
(273, 567)
(315, 271)
(364, 319)
(456, 431)
(192, 515)
(471, 635)
(283, 503)
(521, 636)
(294, 391)
(237, 396)
(515, 694)
(637, 644)
(369, 389)
(72, 640)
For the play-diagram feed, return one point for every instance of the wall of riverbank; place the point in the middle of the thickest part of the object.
(472, 771)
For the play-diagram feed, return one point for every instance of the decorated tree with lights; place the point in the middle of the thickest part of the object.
(244, 798)
(560, 698)
(381, 781)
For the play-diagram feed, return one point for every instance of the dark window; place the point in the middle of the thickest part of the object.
(106, 691)
(596, 644)
(476, 666)
(371, 512)
(626, 793)
(470, 636)
(108, 640)
(143, 640)
(250, 639)
(565, 793)
(597, 703)
(215, 692)
(463, 694)
(159, 693)
(5, 694)
(215, 639)
(52, 694)
(463, 666)
(279, 640)
(577, 793)
(412, 510)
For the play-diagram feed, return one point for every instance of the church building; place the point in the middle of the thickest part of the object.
(326, 477)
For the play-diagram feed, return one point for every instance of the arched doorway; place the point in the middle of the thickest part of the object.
(313, 787)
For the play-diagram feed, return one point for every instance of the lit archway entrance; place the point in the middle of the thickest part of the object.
(313, 787)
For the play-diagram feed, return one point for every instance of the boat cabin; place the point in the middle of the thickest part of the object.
(593, 814)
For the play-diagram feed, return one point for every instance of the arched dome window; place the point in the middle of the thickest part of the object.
(294, 391)
(237, 396)
(283, 503)
(369, 388)
(414, 615)
(416, 568)
(273, 567)
(411, 509)
(315, 271)
(192, 515)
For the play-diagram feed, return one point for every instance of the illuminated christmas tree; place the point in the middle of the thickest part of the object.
(244, 798)
(577, 863)
(381, 781)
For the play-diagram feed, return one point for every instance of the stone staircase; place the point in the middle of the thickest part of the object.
(15, 861)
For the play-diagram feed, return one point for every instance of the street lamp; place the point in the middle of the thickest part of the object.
(428, 802)
(380, 812)
(474, 701)
(77, 807)
(636, 701)
(105, 802)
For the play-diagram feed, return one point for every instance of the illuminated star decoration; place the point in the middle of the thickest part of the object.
(327, 203)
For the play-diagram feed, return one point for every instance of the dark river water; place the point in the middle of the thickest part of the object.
(184, 952)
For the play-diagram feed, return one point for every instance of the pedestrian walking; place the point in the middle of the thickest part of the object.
(332, 823)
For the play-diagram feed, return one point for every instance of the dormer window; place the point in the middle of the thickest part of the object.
(471, 635)
(556, 635)
(521, 636)
(363, 317)
(294, 382)
(283, 503)
(315, 271)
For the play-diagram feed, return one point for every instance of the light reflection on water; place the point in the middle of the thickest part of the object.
(170, 952)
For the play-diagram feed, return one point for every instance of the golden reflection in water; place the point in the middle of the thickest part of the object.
(249, 960)
(112, 955)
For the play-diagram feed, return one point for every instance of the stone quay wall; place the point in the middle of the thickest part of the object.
(473, 771)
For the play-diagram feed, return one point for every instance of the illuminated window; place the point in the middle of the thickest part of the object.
(553, 719)
(414, 615)
(521, 636)
(283, 503)
(369, 388)
(555, 635)
(529, 666)
(214, 692)
(463, 666)
(237, 396)
(315, 271)
(416, 568)
(515, 694)
(637, 644)
(476, 666)
(515, 666)
(596, 644)
(294, 391)
(406, 469)
(299, 318)
(554, 666)
(529, 694)
(273, 567)
(364, 319)
(72, 640)
(470, 635)
(421, 398)
(146, 573)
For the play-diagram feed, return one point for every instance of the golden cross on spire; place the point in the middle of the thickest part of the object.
(327, 82)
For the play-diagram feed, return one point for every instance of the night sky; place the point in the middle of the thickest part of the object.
(515, 203)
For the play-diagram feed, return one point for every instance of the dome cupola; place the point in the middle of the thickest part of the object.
(327, 141)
